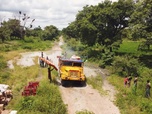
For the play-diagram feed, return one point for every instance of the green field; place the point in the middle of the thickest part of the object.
(131, 47)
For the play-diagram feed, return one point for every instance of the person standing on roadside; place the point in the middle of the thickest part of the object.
(41, 62)
(125, 81)
(129, 81)
(42, 54)
(46, 65)
(135, 85)
(148, 86)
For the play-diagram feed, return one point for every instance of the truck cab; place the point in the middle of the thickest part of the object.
(71, 69)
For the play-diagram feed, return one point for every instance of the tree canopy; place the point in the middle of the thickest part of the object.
(109, 22)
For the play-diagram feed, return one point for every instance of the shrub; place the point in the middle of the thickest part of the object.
(30, 39)
(101, 64)
(126, 65)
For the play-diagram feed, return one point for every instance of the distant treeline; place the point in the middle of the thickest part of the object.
(13, 29)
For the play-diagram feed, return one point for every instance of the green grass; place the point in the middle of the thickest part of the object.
(84, 112)
(131, 47)
(25, 45)
(127, 101)
(96, 82)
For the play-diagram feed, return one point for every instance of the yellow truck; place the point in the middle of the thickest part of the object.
(71, 70)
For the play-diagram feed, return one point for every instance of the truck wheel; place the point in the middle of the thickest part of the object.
(63, 83)
(83, 83)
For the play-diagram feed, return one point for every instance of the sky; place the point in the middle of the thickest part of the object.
(59, 13)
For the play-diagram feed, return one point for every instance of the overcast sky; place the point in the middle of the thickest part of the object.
(45, 12)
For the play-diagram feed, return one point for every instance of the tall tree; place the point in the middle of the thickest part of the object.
(36, 32)
(5, 32)
(141, 19)
(113, 19)
(140, 23)
(104, 23)
(85, 28)
(10, 29)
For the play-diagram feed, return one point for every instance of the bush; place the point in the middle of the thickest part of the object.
(75, 45)
(102, 64)
(126, 66)
(31, 39)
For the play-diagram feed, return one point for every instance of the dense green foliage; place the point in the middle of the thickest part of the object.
(102, 28)
(126, 66)
(102, 24)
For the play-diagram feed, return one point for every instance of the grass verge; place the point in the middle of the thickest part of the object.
(96, 83)
(48, 99)
(129, 102)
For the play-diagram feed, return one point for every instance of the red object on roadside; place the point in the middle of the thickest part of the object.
(30, 89)
(33, 84)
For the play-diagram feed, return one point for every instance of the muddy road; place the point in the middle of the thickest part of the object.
(78, 98)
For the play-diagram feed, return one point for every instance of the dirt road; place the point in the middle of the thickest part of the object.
(87, 98)
(79, 98)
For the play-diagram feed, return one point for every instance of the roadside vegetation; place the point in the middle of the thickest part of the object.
(84, 112)
(48, 98)
(125, 63)
(117, 36)
(47, 101)
(96, 83)
(132, 63)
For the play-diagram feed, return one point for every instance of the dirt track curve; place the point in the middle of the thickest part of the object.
(78, 98)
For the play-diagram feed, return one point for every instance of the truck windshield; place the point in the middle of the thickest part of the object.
(77, 64)
(70, 63)
(67, 63)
